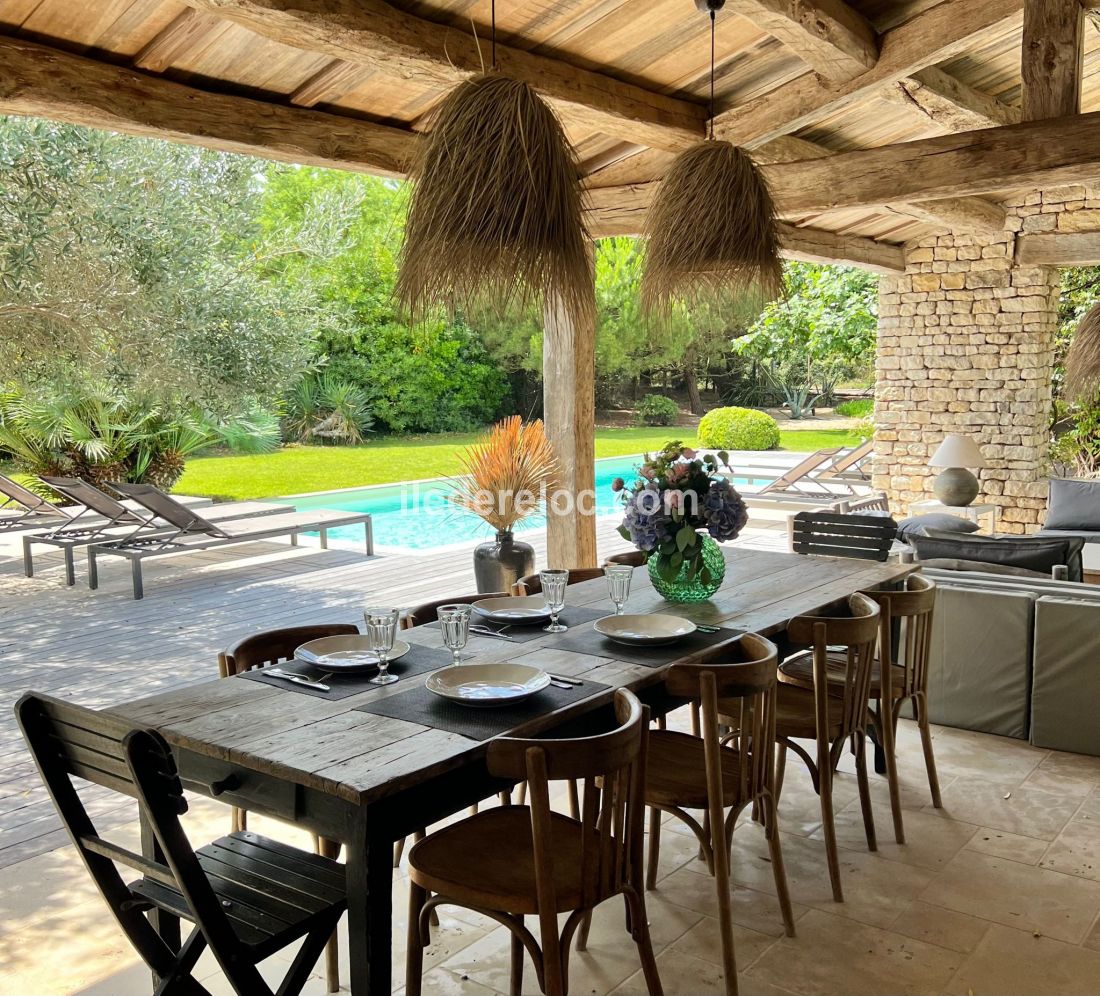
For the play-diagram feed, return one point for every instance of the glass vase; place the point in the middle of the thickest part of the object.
(683, 590)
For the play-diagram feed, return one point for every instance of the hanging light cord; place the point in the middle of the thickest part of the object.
(710, 106)
(493, 16)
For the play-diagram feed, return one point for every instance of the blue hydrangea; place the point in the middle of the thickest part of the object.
(645, 519)
(724, 511)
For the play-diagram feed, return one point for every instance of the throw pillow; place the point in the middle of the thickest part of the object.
(1032, 553)
(918, 525)
(1074, 505)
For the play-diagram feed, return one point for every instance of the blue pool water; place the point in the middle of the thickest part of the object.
(416, 515)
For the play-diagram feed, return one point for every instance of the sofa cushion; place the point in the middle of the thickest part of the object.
(919, 525)
(1088, 537)
(1073, 505)
(1033, 553)
(1006, 570)
(1066, 678)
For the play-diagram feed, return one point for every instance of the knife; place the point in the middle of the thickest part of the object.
(485, 631)
(298, 680)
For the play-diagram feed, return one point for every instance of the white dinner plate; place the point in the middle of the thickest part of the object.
(345, 653)
(645, 630)
(518, 610)
(487, 685)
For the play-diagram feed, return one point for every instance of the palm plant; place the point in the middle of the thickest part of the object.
(327, 409)
(508, 472)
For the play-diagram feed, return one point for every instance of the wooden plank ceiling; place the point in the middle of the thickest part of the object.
(349, 82)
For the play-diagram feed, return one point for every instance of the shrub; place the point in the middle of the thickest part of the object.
(738, 429)
(656, 409)
(856, 408)
(324, 409)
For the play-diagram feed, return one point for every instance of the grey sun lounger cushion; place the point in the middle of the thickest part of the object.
(980, 664)
(1065, 694)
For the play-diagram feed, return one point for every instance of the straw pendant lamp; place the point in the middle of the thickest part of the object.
(1083, 358)
(712, 227)
(495, 216)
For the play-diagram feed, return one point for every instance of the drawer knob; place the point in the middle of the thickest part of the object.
(229, 783)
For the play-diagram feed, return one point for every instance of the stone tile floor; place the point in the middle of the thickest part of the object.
(997, 894)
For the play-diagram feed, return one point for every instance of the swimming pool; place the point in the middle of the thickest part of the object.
(414, 514)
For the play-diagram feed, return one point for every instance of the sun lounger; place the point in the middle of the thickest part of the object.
(102, 517)
(204, 534)
(849, 468)
(24, 509)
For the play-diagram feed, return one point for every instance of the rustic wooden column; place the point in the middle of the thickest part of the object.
(1051, 62)
(569, 411)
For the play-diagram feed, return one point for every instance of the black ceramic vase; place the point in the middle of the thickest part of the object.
(501, 562)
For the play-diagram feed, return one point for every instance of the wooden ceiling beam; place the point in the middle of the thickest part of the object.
(932, 36)
(1052, 54)
(622, 211)
(44, 82)
(1058, 249)
(832, 38)
(1034, 154)
(374, 34)
(967, 215)
(948, 103)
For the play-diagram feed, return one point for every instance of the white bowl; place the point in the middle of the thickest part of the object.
(345, 653)
(522, 610)
(487, 685)
(645, 630)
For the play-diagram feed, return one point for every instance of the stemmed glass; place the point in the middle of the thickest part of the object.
(381, 629)
(553, 591)
(454, 620)
(618, 584)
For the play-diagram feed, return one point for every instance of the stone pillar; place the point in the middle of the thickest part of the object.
(966, 344)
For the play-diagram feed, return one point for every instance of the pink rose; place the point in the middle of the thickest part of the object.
(688, 453)
(618, 484)
(647, 473)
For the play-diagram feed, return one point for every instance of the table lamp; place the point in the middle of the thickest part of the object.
(956, 485)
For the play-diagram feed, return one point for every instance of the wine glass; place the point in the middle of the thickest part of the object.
(454, 620)
(553, 591)
(381, 626)
(618, 584)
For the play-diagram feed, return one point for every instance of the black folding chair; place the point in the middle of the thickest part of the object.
(837, 534)
(249, 897)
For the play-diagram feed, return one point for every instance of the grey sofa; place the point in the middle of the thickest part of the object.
(1073, 509)
(1017, 657)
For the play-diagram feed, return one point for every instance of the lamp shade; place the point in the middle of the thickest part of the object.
(958, 451)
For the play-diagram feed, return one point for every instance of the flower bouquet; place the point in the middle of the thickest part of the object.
(677, 511)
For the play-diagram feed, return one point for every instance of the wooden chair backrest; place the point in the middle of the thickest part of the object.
(911, 607)
(69, 742)
(275, 645)
(872, 503)
(632, 558)
(531, 585)
(857, 632)
(741, 686)
(611, 767)
(429, 611)
(837, 534)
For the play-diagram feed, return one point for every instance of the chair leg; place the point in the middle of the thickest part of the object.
(779, 871)
(414, 957)
(238, 820)
(780, 769)
(639, 928)
(654, 848)
(582, 932)
(398, 850)
(720, 869)
(860, 746)
(926, 742)
(825, 792)
(574, 800)
(885, 725)
(515, 981)
(330, 849)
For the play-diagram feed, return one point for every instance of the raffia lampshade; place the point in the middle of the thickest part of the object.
(958, 451)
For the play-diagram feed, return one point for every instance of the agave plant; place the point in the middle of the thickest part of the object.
(508, 472)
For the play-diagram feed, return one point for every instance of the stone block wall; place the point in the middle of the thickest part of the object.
(966, 344)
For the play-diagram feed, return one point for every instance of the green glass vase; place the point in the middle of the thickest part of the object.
(684, 590)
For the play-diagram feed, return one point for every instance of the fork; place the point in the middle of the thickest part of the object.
(300, 679)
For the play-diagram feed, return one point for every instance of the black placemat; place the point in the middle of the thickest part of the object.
(586, 640)
(571, 615)
(418, 705)
(417, 661)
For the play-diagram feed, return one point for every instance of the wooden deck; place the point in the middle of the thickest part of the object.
(102, 647)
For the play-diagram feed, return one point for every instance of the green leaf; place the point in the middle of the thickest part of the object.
(676, 560)
(685, 537)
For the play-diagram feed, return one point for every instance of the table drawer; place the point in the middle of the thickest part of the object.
(238, 786)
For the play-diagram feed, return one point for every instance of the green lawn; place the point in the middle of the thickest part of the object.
(298, 469)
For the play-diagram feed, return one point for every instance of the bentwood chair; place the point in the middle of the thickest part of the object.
(905, 678)
(247, 896)
(721, 776)
(513, 862)
(531, 585)
(428, 612)
(831, 714)
(272, 647)
(632, 558)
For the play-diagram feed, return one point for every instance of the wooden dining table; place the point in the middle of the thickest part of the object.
(368, 780)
